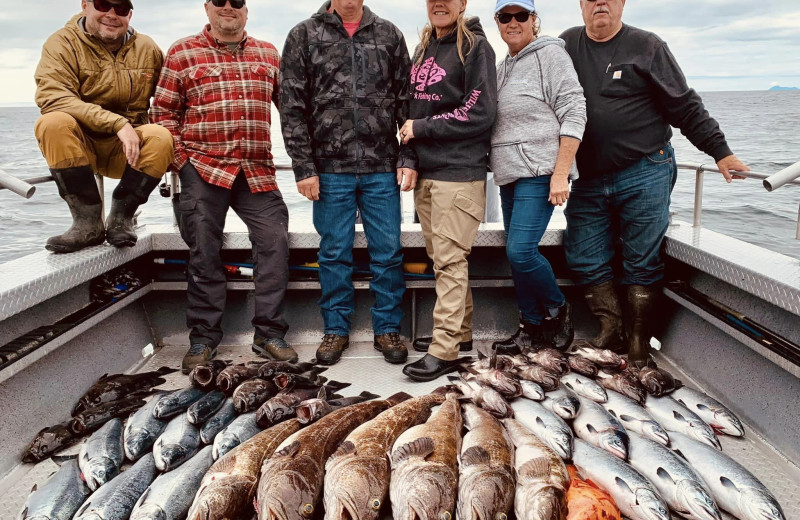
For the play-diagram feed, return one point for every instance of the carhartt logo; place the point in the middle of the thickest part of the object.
(617, 74)
(148, 75)
(426, 74)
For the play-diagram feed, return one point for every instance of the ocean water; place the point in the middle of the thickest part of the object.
(760, 127)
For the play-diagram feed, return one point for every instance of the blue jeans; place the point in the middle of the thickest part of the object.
(526, 213)
(630, 207)
(377, 196)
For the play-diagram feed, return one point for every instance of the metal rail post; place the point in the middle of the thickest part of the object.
(797, 235)
(698, 196)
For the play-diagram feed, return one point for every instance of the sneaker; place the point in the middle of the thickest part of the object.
(198, 353)
(331, 348)
(394, 351)
(559, 329)
(423, 344)
(274, 348)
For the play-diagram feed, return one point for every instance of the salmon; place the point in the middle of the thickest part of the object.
(586, 502)
(357, 475)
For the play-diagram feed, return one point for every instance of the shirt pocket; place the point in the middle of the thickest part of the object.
(621, 81)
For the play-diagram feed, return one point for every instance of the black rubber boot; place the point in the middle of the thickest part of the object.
(642, 301)
(528, 337)
(79, 190)
(559, 329)
(131, 192)
(603, 303)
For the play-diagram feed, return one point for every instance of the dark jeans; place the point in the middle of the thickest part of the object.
(202, 210)
(629, 206)
(377, 196)
(526, 213)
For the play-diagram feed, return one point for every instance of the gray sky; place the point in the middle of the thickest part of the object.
(720, 44)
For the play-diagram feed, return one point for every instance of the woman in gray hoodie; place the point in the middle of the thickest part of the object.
(541, 114)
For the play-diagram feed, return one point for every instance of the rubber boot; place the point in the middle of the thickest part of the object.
(603, 303)
(79, 190)
(131, 192)
(642, 300)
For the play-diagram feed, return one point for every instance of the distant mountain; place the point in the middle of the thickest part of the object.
(778, 87)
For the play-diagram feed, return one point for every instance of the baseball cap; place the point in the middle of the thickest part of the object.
(525, 4)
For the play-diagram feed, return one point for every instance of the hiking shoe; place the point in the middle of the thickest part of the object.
(331, 348)
(392, 347)
(198, 353)
(423, 344)
(274, 348)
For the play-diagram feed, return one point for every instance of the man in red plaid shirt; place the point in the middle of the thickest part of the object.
(214, 96)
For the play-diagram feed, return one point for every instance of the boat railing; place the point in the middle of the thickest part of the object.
(791, 175)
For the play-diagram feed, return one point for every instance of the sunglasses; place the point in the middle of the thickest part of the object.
(105, 6)
(236, 4)
(520, 17)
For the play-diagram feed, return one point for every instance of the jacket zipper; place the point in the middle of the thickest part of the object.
(355, 102)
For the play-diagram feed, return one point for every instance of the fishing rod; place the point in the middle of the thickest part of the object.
(739, 321)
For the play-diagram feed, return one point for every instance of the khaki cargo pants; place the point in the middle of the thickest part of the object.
(65, 144)
(450, 213)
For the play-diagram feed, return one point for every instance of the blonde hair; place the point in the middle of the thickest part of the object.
(463, 35)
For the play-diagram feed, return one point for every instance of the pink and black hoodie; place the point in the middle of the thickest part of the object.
(453, 106)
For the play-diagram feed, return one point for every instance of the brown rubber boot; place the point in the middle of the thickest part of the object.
(603, 303)
(392, 347)
(79, 190)
(132, 191)
(331, 348)
(642, 300)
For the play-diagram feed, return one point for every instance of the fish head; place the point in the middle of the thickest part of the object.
(652, 430)
(703, 433)
(149, 512)
(98, 472)
(172, 454)
(727, 424)
(224, 443)
(46, 442)
(650, 506)
(697, 500)
(615, 443)
(362, 485)
(136, 442)
(428, 492)
(485, 493)
(312, 410)
(562, 444)
(222, 498)
(290, 492)
(543, 502)
(494, 403)
(758, 504)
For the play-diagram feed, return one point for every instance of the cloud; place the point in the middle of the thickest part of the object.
(710, 38)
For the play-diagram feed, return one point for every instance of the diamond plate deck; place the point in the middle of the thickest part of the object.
(365, 368)
(771, 276)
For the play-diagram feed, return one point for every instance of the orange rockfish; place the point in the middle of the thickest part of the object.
(586, 502)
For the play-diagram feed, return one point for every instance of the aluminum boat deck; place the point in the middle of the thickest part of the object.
(365, 368)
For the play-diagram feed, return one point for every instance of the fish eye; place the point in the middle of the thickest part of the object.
(375, 504)
(501, 516)
(308, 509)
(446, 516)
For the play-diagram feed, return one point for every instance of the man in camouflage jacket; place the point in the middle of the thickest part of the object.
(344, 94)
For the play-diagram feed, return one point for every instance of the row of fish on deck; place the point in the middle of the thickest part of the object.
(277, 437)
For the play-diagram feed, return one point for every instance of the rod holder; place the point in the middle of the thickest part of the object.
(785, 176)
(18, 186)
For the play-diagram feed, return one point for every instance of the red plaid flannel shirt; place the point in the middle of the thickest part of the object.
(216, 104)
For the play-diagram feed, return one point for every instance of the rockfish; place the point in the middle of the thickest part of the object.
(251, 394)
(291, 480)
(424, 481)
(586, 502)
(205, 375)
(119, 386)
(484, 396)
(550, 358)
(228, 487)
(542, 478)
(312, 410)
(486, 471)
(357, 475)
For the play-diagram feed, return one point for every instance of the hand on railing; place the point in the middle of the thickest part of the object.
(732, 163)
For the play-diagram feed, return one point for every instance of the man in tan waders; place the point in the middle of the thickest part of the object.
(93, 86)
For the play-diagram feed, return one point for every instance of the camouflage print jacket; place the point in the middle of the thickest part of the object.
(343, 99)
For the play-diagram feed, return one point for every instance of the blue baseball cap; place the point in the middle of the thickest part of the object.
(525, 4)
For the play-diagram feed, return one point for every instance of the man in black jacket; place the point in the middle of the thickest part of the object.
(344, 94)
(634, 91)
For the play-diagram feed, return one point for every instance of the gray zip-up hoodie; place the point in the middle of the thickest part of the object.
(539, 101)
